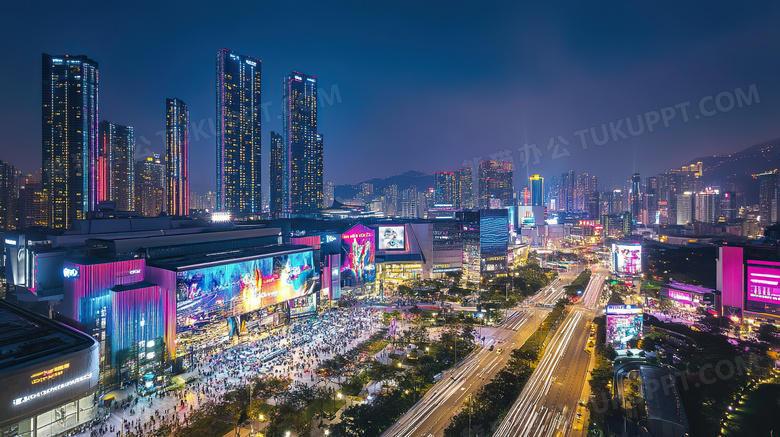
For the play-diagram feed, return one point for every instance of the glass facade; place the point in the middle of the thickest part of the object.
(177, 139)
(116, 165)
(301, 155)
(239, 109)
(55, 421)
(70, 137)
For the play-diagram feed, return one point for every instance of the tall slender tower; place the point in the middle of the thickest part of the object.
(278, 175)
(464, 188)
(69, 125)
(238, 133)
(302, 145)
(116, 164)
(635, 196)
(537, 190)
(177, 140)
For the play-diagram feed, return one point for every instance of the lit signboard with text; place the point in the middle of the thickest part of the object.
(303, 306)
(680, 296)
(763, 281)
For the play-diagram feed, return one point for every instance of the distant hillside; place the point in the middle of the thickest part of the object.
(740, 166)
(403, 181)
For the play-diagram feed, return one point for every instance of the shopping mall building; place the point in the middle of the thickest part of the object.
(748, 277)
(48, 374)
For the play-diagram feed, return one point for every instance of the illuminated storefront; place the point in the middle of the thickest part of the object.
(47, 387)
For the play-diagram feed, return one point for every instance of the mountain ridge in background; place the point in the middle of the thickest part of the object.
(404, 181)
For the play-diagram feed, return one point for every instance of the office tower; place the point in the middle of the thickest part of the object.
(668, 188)
(616, 202)
(69, 125)
(594, 210)
(728, 206)
(10, 179)
(706, 206)
(537, 190)
(767, 198)
(685, 208)
(239, 110)
(627, 222)
(635, 196)
(464, 188)
(328, 195)
(116, 165)
(650, 201)
(496, 186)
(177, 140)
(301, 145)
(278, 175)
(444, 188)
(150, 187)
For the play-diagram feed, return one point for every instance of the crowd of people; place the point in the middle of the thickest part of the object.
(292, 352)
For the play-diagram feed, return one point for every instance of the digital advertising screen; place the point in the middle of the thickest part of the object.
(680, 296)
(624, 322)
(244, 286)
(303, 306)
(392, 238)
(357, 246)
(763, 282)
(627, 259)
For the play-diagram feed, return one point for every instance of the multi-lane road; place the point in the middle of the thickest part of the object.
(432, 414)
(548, 404)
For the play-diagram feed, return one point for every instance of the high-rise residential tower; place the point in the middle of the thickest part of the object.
(177, 140)
(767, 197)
(116, 165)
(69, 125)
(444, 188)
(302, 146)
(239, 112)
(150, 186)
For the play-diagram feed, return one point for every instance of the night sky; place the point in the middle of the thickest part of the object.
(422, 85)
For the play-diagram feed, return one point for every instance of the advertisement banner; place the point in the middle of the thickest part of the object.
(763, 282)
(359, 266)
(392, 237)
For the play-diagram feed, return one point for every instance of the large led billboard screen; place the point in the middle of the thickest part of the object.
(303, 306)
(624, 322)
(627, 258)
(763, 281)
(357, 246)
(392, 238)
(245, 286)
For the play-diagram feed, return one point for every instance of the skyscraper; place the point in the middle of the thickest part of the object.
(116, 165)
(150, 186)
(10, 179)
(537, 190)
(767, 197)
(707, 206)
(635, 196)
(444, 188)
(464, 188)
(685, 208)
(238, 133)
(278, 175)
(177, 140)
(69, 125)
(302, 145)
(495, 184)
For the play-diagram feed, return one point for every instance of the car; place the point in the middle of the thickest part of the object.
(499, 350)
(491, 348)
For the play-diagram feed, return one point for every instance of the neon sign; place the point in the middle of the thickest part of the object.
(20, 401)
(48, 374)
(70, 273)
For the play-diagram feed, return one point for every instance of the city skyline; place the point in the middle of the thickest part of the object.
(656, 76)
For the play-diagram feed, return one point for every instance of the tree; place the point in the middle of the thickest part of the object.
(768, 334)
